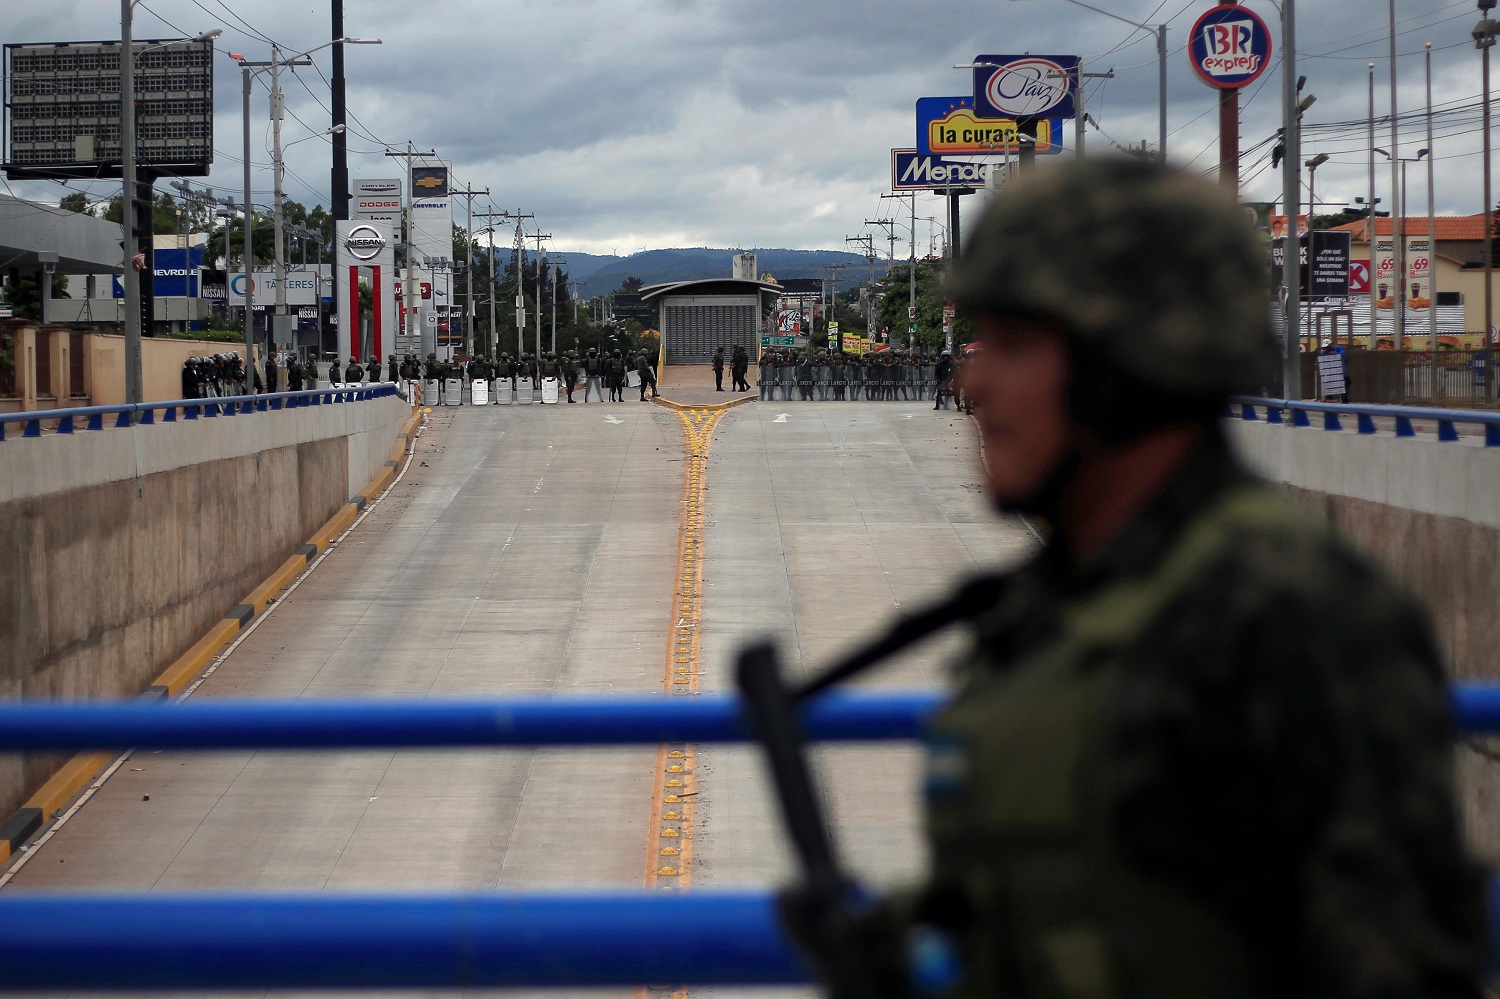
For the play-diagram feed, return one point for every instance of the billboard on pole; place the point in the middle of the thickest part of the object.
(62, 106)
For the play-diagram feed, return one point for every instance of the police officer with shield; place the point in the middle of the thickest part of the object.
(1197, 747)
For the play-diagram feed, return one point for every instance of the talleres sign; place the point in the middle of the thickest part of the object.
(1230, 47)
(1024, 86)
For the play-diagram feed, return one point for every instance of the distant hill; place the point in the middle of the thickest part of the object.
(603, 274)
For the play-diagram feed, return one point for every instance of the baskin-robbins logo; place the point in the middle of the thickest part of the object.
(364, 242)
(1229, 47)
(1025, 86)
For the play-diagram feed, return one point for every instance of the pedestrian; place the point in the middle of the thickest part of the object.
(570, 374)
(1197, 746)
(355, 372)
(593, 371)
(943, 379)
(718, 366)
(392, 369)
(765, 376)
(190, 378)
(293, 373)
(739, 367)
(273, 381)
(648, 375)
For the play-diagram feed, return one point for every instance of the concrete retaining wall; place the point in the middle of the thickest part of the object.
(1429, 514)
(120, 548)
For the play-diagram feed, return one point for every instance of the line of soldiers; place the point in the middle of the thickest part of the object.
(593, 372)
(221, 375)
(891, 375)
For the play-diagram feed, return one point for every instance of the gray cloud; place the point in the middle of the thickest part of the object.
(688, 122)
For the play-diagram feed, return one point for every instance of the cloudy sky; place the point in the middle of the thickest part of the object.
(630, 124)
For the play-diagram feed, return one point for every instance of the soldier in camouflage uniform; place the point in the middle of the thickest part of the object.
(1198, 748)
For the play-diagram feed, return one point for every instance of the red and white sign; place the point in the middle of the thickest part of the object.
(1359, 277)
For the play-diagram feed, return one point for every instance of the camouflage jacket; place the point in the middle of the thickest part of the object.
(1279, 749)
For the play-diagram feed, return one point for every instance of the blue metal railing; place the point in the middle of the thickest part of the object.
(1334, 413)
(68, 421)
(222, 724)
(71, 940)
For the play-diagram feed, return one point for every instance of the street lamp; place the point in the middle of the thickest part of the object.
(1161, 60)
(1484, 39)
(1312, 182)
(132, 288)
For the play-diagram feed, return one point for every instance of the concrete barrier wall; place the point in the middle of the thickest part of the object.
(1428, 513)
(121, 548)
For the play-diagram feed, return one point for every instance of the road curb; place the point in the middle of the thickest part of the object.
(81, 770)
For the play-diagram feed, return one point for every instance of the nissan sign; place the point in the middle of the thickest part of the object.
(364, 242)
(1024, 86)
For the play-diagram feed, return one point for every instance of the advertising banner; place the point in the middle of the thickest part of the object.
(789, 322)
(1024, 86)
(949, 126)
(1386, 285)
(303, 287)
(366, 254)
(1418, 274)
(377, 201)
(1229, 46)
(1328, 264)
(176, 274)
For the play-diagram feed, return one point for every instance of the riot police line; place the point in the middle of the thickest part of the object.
(548, 378)
(885, 376)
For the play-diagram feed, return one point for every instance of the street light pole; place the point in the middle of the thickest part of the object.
(1484, 40)
(1291, 261)
(127, 215)
(1398, 210)
(249, 262)
(1432, 262)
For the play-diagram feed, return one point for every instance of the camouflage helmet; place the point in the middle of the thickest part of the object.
(1154, 270)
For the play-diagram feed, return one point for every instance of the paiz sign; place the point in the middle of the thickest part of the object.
(1230, 46)
(1024, 86)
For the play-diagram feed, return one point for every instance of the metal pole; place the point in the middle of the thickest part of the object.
(1374, 312)
(249, 264)
(911, 324)
(277, 218)
(1291, 268)
(1161, 58)
(538, 294)
(340, 189)
(1489, 235)
(127, 215)
(469, 279)
(493, 333)
(1078, 112)
(1398, 210)
(1432, 260)
(554, 306)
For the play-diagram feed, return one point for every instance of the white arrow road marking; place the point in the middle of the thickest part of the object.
(611, 419)
(906, 417)
(781, 418)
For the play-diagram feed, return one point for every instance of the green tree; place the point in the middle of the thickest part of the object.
(75, 202)
(25, 295)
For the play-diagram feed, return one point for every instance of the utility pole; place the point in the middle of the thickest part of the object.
(890, 251)
(518, 217)
(911, 306)
(1398, 201)
(278, 321)
(411, 283)
(868, 242)
(468, 194)
(539, 236)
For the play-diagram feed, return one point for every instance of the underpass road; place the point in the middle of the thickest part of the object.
(532, 550)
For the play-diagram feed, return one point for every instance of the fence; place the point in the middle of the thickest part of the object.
(65, 421)
(1412, 377)
(60, 941)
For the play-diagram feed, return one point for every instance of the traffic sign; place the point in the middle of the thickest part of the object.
(432, 319)
(1229, 46)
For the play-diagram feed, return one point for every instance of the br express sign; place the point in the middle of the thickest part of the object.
(1230, 46)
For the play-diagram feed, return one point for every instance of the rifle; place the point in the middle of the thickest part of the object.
(848, 962)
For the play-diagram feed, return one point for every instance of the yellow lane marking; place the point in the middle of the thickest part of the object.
(669, 846)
